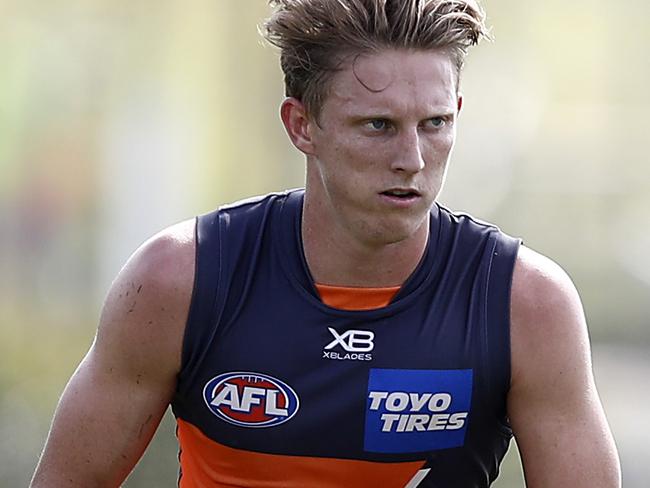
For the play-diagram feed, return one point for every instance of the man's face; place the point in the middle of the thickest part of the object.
(382, 142)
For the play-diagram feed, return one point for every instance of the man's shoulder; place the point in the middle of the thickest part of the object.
(540, 286)
(144, 315)
(243, 222)
(167, 257)
(547, 319)
(465, 218)
(258, 201)
(462, 230)
(159, 276)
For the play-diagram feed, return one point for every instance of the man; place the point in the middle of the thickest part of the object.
(356, 333)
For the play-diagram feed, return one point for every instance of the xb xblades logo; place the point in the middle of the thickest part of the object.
(356, 343)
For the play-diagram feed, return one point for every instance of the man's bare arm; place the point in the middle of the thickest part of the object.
(115, 399)
(553, 405)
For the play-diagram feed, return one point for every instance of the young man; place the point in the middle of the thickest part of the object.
(356, 333)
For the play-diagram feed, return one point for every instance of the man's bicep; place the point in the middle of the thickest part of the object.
(101, 426)
(553, 404)
(114, 401)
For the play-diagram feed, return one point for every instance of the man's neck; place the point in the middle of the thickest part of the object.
(335, 257)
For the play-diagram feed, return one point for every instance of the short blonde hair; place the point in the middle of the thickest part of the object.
(316, 36)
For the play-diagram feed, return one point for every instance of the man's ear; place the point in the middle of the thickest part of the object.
(460, 101)
(298, 125)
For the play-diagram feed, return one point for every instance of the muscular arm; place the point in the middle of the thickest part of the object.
(115, 399)
(553, 405)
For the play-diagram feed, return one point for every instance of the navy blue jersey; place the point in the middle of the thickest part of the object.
(279, 389)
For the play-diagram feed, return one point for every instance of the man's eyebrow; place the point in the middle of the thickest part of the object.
(382, 114)
(371, 115)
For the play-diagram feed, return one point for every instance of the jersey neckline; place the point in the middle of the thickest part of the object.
(288, 244)
(356, 298)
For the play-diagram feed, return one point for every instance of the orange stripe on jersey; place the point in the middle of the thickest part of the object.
(347, 298)
(206, 463)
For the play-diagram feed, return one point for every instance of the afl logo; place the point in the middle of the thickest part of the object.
(250, 399)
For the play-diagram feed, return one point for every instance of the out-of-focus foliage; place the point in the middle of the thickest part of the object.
(118, 118)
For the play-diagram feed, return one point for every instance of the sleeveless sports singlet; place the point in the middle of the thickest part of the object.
(278, 389)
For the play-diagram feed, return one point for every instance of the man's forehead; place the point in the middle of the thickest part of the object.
(396, 76)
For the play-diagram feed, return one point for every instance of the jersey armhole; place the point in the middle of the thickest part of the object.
(498, 299)
(205, 294)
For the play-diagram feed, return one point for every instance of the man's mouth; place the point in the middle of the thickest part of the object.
(401, 193)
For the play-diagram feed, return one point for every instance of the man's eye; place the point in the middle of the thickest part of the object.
(377, 124)
(436, 122)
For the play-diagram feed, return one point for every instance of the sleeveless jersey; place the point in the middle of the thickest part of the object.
(278, 389)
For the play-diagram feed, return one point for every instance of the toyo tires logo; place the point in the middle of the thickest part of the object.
(250, 399)
(417, 410)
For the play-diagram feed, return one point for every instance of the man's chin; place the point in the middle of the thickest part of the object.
(400, 230)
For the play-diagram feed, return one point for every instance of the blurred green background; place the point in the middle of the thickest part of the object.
(118, 118)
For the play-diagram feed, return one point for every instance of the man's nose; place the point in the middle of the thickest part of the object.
(408, 155)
